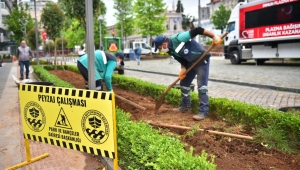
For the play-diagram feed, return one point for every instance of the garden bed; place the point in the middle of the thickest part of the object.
(229, 153)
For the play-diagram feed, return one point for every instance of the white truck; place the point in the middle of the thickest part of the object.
(144, 46)
(263, 30)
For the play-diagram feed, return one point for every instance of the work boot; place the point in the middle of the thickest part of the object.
(98, 88)
(183, 109)
(199, 117)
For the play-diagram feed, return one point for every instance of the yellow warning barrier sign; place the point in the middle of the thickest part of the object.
(77, 119)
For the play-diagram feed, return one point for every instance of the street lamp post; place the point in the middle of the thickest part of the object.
(24, 21)
(100, 18)
(36, 36)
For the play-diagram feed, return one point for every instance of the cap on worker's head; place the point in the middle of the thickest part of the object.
(121, 55)
(159, 40)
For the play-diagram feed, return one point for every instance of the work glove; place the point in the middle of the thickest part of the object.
(182, 74)
(217, 40)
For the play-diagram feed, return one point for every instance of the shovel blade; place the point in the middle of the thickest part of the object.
(159, 101)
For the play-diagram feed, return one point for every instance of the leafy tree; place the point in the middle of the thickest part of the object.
(124, 16)
(52, 19)
(97, 31)
(179, 7)
(220, 17)
(150, 17)
(48, 46)
(14, 24)
(31, 39)
(74, 34)
(187, 22)
(61, 41)
(75, 9)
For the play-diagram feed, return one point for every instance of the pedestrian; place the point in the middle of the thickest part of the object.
(137, 52)
(105, 64)
(120, 60)
(186, 51)
(24, 55)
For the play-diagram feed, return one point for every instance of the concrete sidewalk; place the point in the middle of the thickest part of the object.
(12, 144)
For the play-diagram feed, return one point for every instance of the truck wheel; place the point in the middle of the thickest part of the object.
(235, 58)
(260, 61)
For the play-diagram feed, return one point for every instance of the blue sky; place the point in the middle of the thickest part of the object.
(188, 5)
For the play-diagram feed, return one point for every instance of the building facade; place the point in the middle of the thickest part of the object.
(40, 4)
(213, 5)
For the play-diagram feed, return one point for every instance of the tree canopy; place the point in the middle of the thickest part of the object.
(52, 19)
(187, 22)
(179, 7)
(124, 16)
(14, 21)
(31, 39)
(220, 17)
(75, 9)
(150, 17)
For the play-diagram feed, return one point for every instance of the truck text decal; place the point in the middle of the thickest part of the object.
(278, 2)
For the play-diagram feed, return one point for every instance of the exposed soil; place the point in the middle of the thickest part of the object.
(230, 153)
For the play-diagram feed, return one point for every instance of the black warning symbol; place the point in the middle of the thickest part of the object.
(62, 120)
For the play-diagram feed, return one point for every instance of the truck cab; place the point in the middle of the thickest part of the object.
(263, 30)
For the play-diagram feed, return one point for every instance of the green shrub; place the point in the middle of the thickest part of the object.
(44, 75)
(42, 62)
(141, 147)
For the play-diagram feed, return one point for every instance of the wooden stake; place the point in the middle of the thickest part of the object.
(209, 131)
(130, 102)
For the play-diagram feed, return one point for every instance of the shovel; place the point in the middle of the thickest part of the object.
(160, 100)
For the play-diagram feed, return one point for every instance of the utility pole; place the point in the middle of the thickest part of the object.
(100, 18)
(199, 20)
(90, 43)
